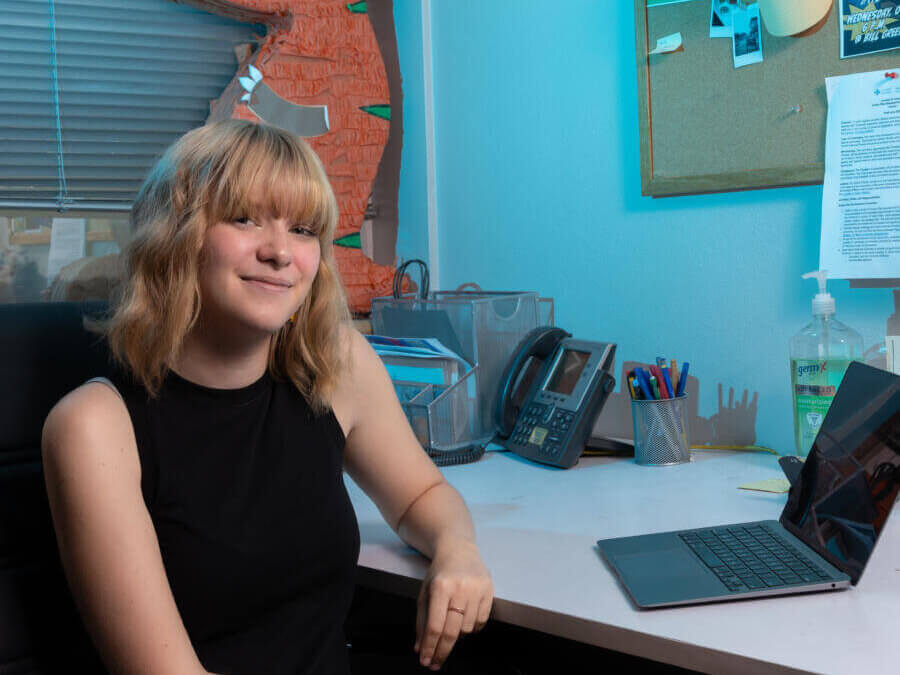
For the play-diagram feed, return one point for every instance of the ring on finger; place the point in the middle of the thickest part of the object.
(451, 608)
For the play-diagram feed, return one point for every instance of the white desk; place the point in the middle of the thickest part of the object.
(537, 527)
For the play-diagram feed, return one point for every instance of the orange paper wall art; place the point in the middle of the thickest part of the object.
(325, 53)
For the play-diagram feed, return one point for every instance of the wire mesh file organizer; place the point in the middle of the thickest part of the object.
(482, 327)
(441, 415)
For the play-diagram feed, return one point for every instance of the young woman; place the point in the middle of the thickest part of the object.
(198, 496)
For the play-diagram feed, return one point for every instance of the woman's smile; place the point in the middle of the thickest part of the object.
(268, 283)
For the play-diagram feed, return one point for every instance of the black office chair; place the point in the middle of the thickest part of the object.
(45, 352)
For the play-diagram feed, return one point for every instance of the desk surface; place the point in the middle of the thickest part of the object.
(537, 527)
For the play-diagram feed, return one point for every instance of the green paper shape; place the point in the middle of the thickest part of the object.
(358, 7)
(349, 241)
(381, 110)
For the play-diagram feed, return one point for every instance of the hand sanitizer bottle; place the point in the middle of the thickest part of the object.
(820, 353)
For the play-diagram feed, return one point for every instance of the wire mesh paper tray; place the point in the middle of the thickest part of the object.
(443, 416)
(483, 327)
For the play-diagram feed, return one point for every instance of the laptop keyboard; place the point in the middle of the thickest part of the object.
(750, 558)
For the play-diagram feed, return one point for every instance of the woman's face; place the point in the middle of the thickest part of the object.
(256, 271)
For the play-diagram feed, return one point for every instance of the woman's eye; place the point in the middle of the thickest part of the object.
(244, 220)
(305, 231)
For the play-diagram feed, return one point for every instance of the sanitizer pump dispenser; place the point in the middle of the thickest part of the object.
(820, 353)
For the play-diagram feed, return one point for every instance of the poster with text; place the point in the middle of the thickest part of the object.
(861, 194)
(869, 26)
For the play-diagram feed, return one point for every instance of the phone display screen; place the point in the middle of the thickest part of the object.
(568, 370)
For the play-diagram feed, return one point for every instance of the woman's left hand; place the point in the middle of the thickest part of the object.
(455, 598)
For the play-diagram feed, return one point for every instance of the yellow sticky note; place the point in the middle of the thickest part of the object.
(777, 485)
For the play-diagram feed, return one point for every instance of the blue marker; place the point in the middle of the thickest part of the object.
(644, 381)
(682, 379)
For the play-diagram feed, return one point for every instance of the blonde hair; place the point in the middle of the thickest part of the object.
(215, 173)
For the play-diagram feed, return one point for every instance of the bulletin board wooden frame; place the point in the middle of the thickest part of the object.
(706, 126)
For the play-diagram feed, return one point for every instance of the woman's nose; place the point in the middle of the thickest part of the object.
(275, 248)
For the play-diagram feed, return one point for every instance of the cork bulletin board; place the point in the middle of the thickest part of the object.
(707, 126)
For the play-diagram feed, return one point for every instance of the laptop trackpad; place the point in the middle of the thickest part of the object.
(670, 565)
(666, 575)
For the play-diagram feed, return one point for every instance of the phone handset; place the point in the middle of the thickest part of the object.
(533, 350)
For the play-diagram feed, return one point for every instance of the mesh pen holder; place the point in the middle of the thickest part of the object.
(661, 431)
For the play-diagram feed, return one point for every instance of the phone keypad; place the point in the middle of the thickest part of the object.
(555, 424)
(562, 420)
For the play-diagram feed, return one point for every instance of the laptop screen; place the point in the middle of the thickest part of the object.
(850, 480)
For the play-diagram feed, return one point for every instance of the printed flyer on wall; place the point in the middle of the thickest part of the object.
(869, 26)
(860, 193)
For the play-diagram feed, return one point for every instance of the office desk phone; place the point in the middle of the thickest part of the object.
(550, 394)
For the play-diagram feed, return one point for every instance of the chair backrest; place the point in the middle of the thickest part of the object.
(45, 352)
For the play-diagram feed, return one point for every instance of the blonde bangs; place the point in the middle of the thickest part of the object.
(268, 173)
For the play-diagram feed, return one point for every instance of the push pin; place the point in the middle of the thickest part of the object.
(891, 76)
(795, 109)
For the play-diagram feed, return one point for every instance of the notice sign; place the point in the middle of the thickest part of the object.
(869, 26)
(861, 191)
(67, 237)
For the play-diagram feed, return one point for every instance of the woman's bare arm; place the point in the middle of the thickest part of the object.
(384, 458)
(107, 542)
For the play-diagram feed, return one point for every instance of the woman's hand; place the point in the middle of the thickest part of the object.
(455, 598)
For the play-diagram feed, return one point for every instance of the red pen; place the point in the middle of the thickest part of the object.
(660, 381)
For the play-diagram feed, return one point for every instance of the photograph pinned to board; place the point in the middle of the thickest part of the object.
(747, 37)
(720, 14)
(860, 193)
(869, 26)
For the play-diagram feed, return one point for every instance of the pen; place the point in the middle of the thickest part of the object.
(673, 372)
(629, 378)
(682, 379)
(665, 373)
(636, 387)
(660, 382)
(655, 385)
(644, 383)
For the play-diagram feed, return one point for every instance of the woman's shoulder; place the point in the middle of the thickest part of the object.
(354, 386)
(88, 422)
(98, 398)
(362, 363)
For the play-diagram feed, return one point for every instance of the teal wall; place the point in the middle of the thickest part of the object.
(538, 188)
(412, 202)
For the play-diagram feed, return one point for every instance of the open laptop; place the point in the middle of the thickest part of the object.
(828, 529)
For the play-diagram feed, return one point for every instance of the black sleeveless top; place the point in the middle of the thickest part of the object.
(257, 533)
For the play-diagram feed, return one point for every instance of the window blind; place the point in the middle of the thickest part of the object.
(131, 76)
